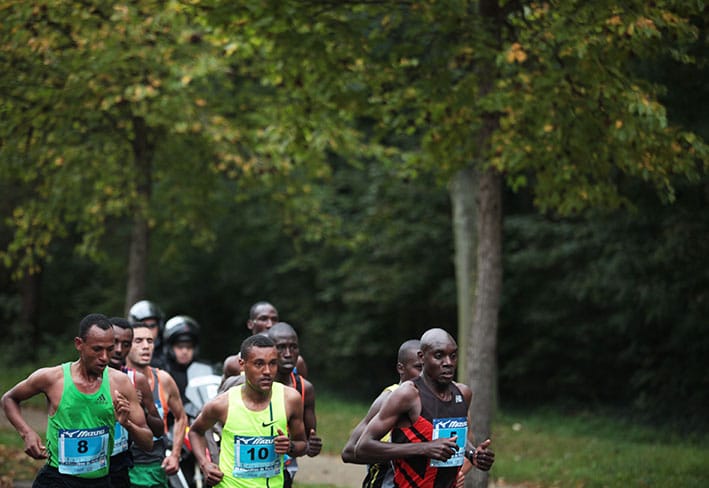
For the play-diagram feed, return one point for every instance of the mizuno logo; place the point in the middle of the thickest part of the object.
(268, 424)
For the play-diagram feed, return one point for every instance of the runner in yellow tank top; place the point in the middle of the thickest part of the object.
(263, 420)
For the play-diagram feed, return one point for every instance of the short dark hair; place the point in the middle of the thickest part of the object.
(120, 322)
(257, 340)
(141, 325)
(97, 319)
(255, 306)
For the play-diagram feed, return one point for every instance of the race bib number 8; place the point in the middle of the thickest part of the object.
(446, 428)
(255, 457)
(83, 451)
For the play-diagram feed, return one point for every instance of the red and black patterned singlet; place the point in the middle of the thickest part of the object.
(416, 471)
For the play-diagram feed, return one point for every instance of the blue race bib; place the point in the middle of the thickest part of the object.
(83, 450)
(448, 427)
(255, 457)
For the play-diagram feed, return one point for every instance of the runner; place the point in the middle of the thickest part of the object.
(409, 366)
(263, 420)
(84, 398)
(151, 466)
(286, 340)
(428, 418)
(262, 316)
(121, 458)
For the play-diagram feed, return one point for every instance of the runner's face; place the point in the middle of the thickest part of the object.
(123, 339)
(440, 361)
(264, 318)
(260, 368)
(287, 347)
(95, 351)
(141, 352)
(411, 367)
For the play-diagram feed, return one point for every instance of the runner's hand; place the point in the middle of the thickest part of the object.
(122, 407)
(314, 444)
(281, 442)
(483, 457)
(34, 447)
(212, 474)
(441, 449)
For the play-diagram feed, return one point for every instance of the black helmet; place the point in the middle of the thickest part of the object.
(180, 328)
(144, 310)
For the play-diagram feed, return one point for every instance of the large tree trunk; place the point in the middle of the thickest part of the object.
(482, 345)
(140, 233)
(462, 191)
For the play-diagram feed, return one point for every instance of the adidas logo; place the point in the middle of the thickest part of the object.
(101, 399)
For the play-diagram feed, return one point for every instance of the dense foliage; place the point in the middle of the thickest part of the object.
(294, 151)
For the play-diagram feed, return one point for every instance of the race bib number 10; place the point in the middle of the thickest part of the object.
(446, 428)
(83, 450)
(255, 457)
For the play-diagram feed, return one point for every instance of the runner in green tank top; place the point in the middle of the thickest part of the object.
(84, 399)
(263, 420)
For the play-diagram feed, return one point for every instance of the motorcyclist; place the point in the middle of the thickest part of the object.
(181, 349)
(152, 315)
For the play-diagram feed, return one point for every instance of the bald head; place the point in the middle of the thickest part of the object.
(281, 329)
(408, 350)
(409, 362)
(435, 338)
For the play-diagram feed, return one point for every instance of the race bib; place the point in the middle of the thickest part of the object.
(255, 457)
(120, 439)
(83, 450)
(446, 428)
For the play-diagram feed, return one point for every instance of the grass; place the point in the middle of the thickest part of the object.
(587, 451)
(533, 449)
(550, 449)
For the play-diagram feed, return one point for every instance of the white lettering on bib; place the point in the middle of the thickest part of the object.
(448, 427)
(83, 450)
(255, 457)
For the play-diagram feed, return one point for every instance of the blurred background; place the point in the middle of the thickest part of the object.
(209, 156)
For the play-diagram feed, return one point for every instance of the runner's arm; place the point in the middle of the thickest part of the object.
(38, 382)
(348, 452)
(171, 463)
(214, 411)
(152, 416)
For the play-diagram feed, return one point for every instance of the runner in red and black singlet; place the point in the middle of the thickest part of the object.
(429, 420)
(415, 471)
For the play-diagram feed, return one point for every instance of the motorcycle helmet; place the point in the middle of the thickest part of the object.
(144, 310)
(180, 328)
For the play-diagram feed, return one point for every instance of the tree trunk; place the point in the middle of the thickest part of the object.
(482, 345)
(137, 262)
(462, 191)
(140, 233)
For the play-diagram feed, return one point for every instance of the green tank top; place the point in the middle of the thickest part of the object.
(80, 433)
(248, 458)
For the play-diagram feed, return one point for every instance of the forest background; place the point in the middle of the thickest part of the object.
(530, 176)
